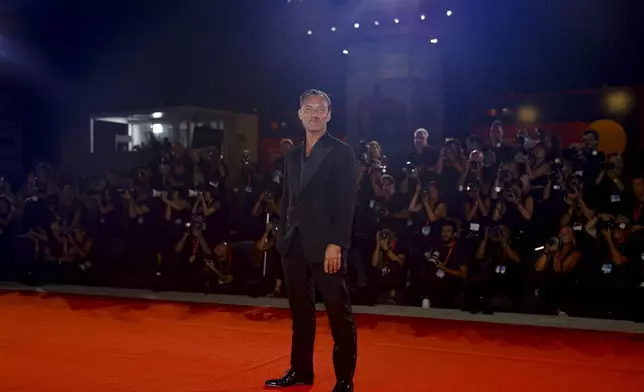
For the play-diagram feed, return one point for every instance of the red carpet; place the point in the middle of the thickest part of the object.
(69, 344)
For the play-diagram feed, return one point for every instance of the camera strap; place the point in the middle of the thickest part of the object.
(636, 213)
(449, 252)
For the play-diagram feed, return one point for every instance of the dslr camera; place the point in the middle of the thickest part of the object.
(384, 234)
(511, 194)
(409, 169)
(268, 195)
(245, 158)
(554, 242)
(472, 189)
(432, 257)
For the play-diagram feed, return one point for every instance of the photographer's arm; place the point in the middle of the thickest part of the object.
(512, 254)
(571, 261)
(470, 210)
(615, 256)
(414, 205)
(484, 206)
(591, 227)
(374, 184)
(480, 252)
(459, 273)
(527, 209)
(400, 259)
(567, 217)
(182, 242)
(209, 210)
(260, 244)
(542, 262)
(205, 248)
(538, 172)
(272, 207)
(547, 192)
(497, 214)
(437, 213)
(600, 177)
(588, 213)
(257, 207)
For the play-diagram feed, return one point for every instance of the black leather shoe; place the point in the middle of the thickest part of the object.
(291, 379)
(343, 386)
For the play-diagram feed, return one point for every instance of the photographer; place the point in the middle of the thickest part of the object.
(214, 170)
(426, 200)
(424, 157)
(502, 152)
(69, 209)
(273, 281)
(495, 276)
(610, 189)
(557, 274)
(515, 207)
(444, 270)
(390, 206)
(537, 168)
(577, 211)
(267, 204)
(177, 211)
(213, 213)
(451, 166)
(389, 270)
(617, 270)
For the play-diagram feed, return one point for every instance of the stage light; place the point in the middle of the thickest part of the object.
(422, 17)
(356, 25)
(345, 52)
(449, 13)
(333, 28)
(396, 20)
(157, 128)
(433, 40)
(376, 23)
(157, 114)
(309, 32)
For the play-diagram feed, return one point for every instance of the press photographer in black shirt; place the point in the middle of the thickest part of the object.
(388, 266)
(609, 187)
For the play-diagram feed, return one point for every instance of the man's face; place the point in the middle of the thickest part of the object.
(447, 233)
(420, 139)
(638, 187)
(388, 186)
(589, 141)
(496, 133)
(221, 251)
(314, 113)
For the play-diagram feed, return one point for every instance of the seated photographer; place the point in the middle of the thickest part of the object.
(66, 254)
(195, 260)
(444, 270)
(388, 272)
(69, 209)
(476, 207)
(268, 203)
(577, 213)
(426, 202)
(390, 205)
(609, 193)
(557, 291)
(617, 269)
(495, 276)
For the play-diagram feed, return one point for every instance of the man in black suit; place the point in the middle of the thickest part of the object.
(318, 201)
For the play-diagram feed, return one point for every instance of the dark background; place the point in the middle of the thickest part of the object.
(62, 60)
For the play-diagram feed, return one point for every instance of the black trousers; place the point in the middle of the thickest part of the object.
(302, 277)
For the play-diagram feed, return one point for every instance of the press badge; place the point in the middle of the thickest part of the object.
(426, 230)
(140, 220)
(607, 268)
(410, 222)
(577, 227)
(440, 273)
(372, 204)
(248, 189)
(385, 271)
(615, 198)
(177, 221)
(500, 269)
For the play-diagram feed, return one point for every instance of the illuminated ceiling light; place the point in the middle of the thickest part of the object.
(449, 13)
(433, 40)
(528, 114)
(345, 52)
(376, 23)
(422, 17)
(356, 25)
(396, 20)
(157, 128)
(333, 28)
(309, 32)
(157, 114)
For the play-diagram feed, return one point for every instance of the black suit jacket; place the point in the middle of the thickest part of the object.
(319, 203)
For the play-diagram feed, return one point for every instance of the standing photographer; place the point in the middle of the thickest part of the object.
(610, 189)
(426, 200)
(389, 269)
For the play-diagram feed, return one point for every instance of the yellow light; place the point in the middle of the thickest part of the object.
(527, 114)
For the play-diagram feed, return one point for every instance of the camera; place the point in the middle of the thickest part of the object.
(268, 195)
(553, 242)
(573, 185)
(510, 194)
(432, 257)
(384, 234)
(425, 191)
(472, 189)
(380, 210)
(494, 233)
(606, 224)
(607, 166)
(409, 169)
(194, 193)
(158, 193)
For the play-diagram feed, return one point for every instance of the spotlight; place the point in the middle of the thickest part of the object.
(434, 40)
(157, 128)
(309, 32)
(345, 52)
(449, 13)
(422, 17)
(376, 23)
(356, 25)
(396, 20)
(157, 114)
(333, 28)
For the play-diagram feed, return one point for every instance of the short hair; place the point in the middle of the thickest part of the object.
(592, 132)
(388, 177)
(319, 93)
(475, 139)
(421, 130)
(286, 140)
(496, 122)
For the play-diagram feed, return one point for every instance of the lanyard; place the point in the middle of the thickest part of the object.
(195, 245)
(636, 212)
(449, 252)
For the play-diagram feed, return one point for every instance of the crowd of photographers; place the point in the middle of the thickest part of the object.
(527, 226)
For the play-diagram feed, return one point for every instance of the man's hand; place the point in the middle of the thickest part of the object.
(332, 259)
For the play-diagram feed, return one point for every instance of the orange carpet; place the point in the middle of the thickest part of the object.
(69, 344)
